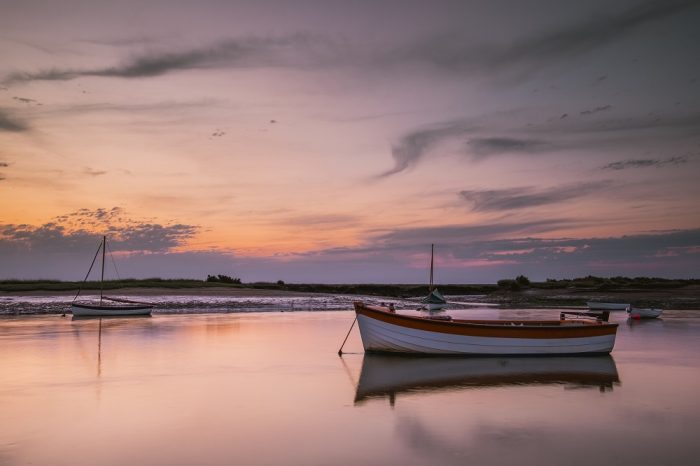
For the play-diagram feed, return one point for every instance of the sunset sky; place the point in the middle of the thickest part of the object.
(334, 141)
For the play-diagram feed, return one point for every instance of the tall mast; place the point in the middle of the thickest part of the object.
(102, 277)
(432, 246)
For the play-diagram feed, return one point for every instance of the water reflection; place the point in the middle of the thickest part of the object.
(388, 375)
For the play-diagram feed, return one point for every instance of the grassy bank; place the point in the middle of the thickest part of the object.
(585, 284)
(399, 291)
(640, 291)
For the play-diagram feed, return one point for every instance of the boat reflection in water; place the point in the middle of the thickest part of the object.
(388, 375)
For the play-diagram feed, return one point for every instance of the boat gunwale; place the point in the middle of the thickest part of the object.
(551, 329)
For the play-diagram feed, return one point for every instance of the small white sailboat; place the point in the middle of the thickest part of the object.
(107, 306)
(435, 301)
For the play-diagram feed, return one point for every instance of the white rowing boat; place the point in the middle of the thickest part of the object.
(382, 330)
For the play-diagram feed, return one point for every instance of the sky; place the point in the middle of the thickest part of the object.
(335, 141)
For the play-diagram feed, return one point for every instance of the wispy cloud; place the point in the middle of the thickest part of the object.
(528, 54)
(296, 50)
(603, 252)
(26, 100)
(451, 53)
(417, 144)
(499, 145)
(460, 234)
(526, 197)
(497, 250)
(642, 163)
(413, 146)
(687, 123)
(9, 123)
(324, 220)
(591, 111)
(92, 172)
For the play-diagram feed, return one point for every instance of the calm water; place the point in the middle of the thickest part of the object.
(269, 388)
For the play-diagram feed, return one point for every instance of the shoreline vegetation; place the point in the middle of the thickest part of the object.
(519, 292)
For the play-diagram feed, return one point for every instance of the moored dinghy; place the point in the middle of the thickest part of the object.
(599, 306)
(644, 313)
(384, 331)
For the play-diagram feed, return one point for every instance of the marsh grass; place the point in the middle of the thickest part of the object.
(584, 284)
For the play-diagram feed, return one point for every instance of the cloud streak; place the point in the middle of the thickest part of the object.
(497, 250)
(9, 123)
(300, 50)
(483, 147)
(591, 111)
(529, 54)
(643, 163)
(26, 100)
(92, 172)
(295, 50)
(526, 197)
(604, 252)
(413, 146)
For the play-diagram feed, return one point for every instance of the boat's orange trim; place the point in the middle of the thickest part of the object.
(528, 329)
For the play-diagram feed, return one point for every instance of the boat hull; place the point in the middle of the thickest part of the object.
(607, 306)
(648, 313)
(94, 310)
(383, 331)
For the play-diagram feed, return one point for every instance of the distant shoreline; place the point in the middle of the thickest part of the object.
(682, 297)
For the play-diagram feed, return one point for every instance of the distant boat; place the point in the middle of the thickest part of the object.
(644, 313)
(107, 306)
(386, 375)
(382, 330)
(435, 300)
(595, 305)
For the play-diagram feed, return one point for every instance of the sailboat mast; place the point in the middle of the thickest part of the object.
(432, 246)
(102, 277)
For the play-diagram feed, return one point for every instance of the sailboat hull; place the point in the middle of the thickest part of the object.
(85, 309)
